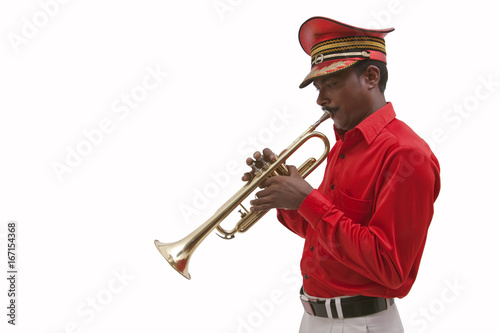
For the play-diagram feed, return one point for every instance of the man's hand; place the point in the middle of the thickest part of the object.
(267, 156)
(285, 192)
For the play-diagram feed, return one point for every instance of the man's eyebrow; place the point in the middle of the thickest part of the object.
(321, 80)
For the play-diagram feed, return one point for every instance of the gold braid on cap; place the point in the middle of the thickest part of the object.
(356, 46)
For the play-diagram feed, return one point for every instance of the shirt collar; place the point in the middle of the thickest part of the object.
(371, 126)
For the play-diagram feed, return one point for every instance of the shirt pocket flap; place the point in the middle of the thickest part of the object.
(358, 210)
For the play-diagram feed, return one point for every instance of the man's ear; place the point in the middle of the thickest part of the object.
(372, 76)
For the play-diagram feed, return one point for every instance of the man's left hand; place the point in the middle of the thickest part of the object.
(286, 192)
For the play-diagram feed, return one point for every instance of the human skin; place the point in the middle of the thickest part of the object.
(350, 98)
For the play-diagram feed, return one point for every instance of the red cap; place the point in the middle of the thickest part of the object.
(334, 46)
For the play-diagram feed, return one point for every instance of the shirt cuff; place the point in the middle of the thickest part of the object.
(314, 207)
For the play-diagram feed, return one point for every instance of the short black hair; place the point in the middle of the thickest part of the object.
(361, 67)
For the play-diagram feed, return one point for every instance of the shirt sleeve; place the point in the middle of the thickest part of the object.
(293, 221)
(387, 248)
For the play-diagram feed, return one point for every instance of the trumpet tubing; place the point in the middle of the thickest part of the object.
(179, 253)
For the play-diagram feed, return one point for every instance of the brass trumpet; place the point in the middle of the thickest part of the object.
(179, 253)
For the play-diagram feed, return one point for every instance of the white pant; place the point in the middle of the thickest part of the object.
(386, 321)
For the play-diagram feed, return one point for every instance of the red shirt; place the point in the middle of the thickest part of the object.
(365, 226)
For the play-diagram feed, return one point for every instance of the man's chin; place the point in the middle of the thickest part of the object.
(339, 124)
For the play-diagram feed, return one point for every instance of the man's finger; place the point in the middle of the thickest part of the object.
(268, 154)
(247, 176)
(292, 170)
(259, 205)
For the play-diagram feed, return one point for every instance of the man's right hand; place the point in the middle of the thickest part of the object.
(257, 162)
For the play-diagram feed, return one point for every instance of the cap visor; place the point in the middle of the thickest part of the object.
(326, 68)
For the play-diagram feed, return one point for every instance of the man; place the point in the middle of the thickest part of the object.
(365, 226)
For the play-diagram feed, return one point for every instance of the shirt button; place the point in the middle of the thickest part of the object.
(306, 276)
(342, 156)
(332, 186)
(312, 248)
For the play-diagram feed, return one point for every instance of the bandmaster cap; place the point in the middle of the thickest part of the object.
(334, 46)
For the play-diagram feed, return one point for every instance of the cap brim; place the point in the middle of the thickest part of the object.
(327, 68)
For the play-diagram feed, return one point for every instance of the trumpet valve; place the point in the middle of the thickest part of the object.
(282, 170)
(256, 171)
(265, 164)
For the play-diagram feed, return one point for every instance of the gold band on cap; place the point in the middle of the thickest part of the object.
(341, 45)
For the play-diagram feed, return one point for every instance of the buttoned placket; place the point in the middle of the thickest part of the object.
(337, 169)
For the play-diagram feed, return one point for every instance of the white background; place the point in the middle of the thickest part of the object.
(233, 66)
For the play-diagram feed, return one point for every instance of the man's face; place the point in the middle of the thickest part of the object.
(346, 96)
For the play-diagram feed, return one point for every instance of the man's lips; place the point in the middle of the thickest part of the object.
(331, 110)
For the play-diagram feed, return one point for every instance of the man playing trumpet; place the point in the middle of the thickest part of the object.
(365, 226)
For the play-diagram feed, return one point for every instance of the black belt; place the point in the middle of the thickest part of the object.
(355, 306)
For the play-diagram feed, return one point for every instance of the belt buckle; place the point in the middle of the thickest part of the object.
(306, 302)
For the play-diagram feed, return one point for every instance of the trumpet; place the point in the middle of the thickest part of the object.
(178, 254)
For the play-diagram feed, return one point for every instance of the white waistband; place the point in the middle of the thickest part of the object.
(324, 299)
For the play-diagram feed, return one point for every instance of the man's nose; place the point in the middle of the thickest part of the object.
(322, 99)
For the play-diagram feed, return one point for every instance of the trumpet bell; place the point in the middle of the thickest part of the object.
(176, 255)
